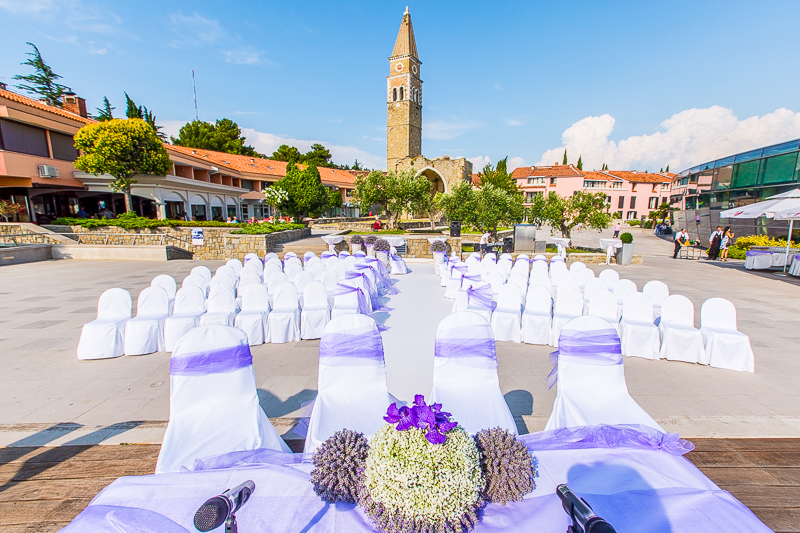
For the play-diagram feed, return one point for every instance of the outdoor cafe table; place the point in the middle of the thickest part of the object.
(332, 240)
(610, 245)
(562, 244)
(632, 476)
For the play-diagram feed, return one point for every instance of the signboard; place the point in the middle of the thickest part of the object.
(197, 237)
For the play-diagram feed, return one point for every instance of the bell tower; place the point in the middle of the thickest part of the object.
(403, 98)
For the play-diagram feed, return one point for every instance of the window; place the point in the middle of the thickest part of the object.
(63, 146)
(552, 181)
(722, 177)
(394, 94)
(631, 215)
(779, 169)
(16, 137)
(536, 181)
(593, 184)
(621, 203)
(616, 185)
(653, 203)
(745, 174)
(401, 93)
(633, 202)
(531, 196)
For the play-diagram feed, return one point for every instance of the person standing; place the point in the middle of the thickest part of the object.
(617, 227)
(484, 243)
(715, 241)
(681, 239)
(727, 240)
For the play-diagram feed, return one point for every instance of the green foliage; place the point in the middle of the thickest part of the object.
(122, 149)
(43, 82)
(661, 213)
(564, 213)
(485, 209)
(498, 176)
(746, 242)
(9, 209)
(141, 112)
(579, 166)
(421, 198)
(647, 224)
(132, 221)
(306, 193)
(393, 191)
(626, 238)
(633, 223)
(565, 157)
(131, 109)
(105, 113)
(617, 215)
(287, 153)
(667, 169)
(734, 252)
(318, 155)
(335, 201)
(224, 135)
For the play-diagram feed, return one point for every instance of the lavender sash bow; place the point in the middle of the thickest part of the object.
(469, 277)
(380, 273)
(363, 307)
(466, 346)
(481, 296)
(598, 347)
(461, 267)
(211, 362)
(371, 288)
(362, 350)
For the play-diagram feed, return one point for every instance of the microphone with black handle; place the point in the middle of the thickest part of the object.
(221, 509)
(584, 520)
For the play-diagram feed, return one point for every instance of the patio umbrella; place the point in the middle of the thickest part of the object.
(786, 202)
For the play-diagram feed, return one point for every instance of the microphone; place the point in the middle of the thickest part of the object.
(220, 509)
(584, 519)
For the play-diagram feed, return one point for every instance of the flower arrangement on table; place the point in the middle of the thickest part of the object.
(422, 471)
(370, 240)
(382, 245)
(438, 247)
(356, 239)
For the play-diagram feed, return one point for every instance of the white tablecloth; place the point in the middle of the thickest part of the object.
(794, 270)
(332, 240)
(395, 241)
(562, 244)
(759, 261)
(610, 245)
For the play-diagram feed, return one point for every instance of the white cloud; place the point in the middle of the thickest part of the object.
(514, 122)
(478, 162)
(246, 55)
(515, 162)
(443, 131)
(195, 29)
(27, 6)
(687, 138)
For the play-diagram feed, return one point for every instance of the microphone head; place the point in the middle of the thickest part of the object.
(212, 514)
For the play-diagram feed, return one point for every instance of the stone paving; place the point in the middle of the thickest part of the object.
(48, 397)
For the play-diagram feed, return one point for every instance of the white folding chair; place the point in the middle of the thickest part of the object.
(465, 378)
(167, 283)
(603, 304)
(220, 307)
(284, 319)
(189, 307)
(104, 337)
(640, 336)
(621, 289)
(507, 315)
(315, 314)
(253, 317)
(330, 280)
(725, 345)
(537, 320)
(609, 275)
(352, 391)
(144, 333)
(568, 305)
(680, 340)
(591, 379)
(213, 404)
(658, 292)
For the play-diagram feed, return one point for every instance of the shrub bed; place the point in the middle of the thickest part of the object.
(130, 221)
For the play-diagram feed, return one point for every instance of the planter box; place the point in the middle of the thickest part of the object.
(624, 255)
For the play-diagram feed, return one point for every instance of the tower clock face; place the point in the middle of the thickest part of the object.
(398, 67)
(414, 69)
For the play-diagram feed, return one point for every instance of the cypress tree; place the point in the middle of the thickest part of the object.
(44, 82)
(105, 113)
(565, 157)
(579, 166)
(132, 110)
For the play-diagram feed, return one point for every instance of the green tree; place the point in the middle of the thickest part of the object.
(318, 156)
(499, 176)
(564, 213)
(222, 136)
(579, 166)
(43, 82)
(392, 191)
(131, 109)
(357, 166)
(667, 168)
(662, 212)
(459, 203)
(122, 149)
(287, 153)
(485, 209)
(335, 201)
(306, 193)
(141, 112)
(565, 157)
(422, 199)
(104, 113)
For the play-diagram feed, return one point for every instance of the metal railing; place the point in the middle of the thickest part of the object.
(51, 236)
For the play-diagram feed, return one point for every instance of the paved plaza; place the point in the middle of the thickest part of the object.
(49, 397)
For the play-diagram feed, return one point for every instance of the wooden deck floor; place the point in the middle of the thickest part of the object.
(43, 488)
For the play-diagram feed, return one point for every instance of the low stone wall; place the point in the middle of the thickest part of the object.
(25, 254)
(314, 222)
(417, 246)
(364, 225)
(21, 232)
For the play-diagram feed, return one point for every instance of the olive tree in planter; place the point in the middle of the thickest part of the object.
(625, 254)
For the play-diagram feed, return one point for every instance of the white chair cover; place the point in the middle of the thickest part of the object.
(465, 378)
(170, 287)
(680, 340)
(725, 345)
(274, 263)
(520, 281)
(284, 319)
(568, 305)
(351, 297)
(640, 336)
(495, 279)
(565, 282)
(196, 280)
(577, 266)
(271, 255)
(301, 281)
(292, 270)
(252, 257)
(537, 320)
(249, 276)
(610, 276)
(275, 280)
(315, 314)
(104, 337)
(318, 269)
(289, 255)
(227, 270)
(330, 280)
(220, 307)
(307, 256)
(657, 291)
(621, 289)
(213, 404)
(352, 391)
(582, 276)
(204, 273)
(507, 315)
(144, 333)
(189, 306)
(602, 304)
(397, 264)
(255, 310)
(591, 379)
(236, 265)
(255, 266)
(477, 298)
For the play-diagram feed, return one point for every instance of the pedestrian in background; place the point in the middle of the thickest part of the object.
(727, 240)
(681, 239)
(617, 227)
(715, 241)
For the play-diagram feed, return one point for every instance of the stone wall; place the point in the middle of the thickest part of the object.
(24, 230)
(418, 246)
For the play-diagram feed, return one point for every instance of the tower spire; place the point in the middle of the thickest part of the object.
(405, 45)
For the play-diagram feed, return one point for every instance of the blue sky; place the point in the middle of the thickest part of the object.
(631, 84)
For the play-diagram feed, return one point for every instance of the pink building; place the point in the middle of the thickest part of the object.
(632, 193)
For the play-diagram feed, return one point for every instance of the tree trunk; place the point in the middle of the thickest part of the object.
(128, 200)
(433, 222)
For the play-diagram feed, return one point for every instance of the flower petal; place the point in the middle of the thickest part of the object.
(434, 437)
(419, 400)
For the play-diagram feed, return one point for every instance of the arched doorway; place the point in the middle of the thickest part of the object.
(434, 177)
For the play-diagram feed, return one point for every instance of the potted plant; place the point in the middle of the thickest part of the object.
(369, 242)
(625, 254)
(382, 248)
(439, 249)
(355, 242)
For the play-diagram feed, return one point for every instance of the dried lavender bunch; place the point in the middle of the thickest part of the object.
(370, 239)
(398, 522)
(338, 466)
(506, 465)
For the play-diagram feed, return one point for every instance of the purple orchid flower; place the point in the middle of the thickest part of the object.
(428, 418)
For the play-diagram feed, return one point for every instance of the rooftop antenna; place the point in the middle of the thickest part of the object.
(194, 89)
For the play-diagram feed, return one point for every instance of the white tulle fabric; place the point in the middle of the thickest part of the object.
(507, 315)
(253, 317)
(352, 391)
(640, 337)
(284, 319)
(189, 307)
(144, 333)
(213, 413)
(725, 345)
(465, 378)
(315, 314)
(104, 337)
(537, 320)
(680, 340)
(592, 389)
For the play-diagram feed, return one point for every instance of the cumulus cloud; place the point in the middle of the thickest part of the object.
(480, 161)
(687, 138)
(515, 162)
(514, 122)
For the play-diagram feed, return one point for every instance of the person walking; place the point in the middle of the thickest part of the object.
(617, 227)
(681, 239)
(715, 241)
(727, 240)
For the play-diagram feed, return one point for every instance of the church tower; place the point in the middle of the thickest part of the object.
(403, 98)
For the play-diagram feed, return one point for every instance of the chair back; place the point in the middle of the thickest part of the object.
(221, 300)
(249, 277)
(718, 313)
(509, 298)
(203, 272)
(292, 270)
(236, 265)
(196, 280)
(637, 307)
(275, 279)
(609, 275)
(315, 296)
(275, 262)
(318, 269)
(538, 300)
(622, 288)
(677, 310)
(167, 283)
(228, 271)
(252, 257)
(520, 280)
(330, 279)
(656, 290)
(603, 304)
(495, 279)
(285, 298)
(308, 255)
(271, 255)
(466, 338)
(152, 301)
(115, 305)
(569, 302)
(578, 266)
(289, 255)
(255, 298)
(594, 285)
(190, 300)
(302, 279)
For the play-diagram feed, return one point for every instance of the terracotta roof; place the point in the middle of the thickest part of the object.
(598, 176)
(405, 45)
(639, 177)
(553, 171)
(476, 180)
(43, 106)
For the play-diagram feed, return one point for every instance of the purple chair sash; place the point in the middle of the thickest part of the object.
(468, 349)
(371, 288)
(362, 350)
(598, 347)
(469, 277)
(751, 253)
(326, 255)
(211, 362)
(617, 436)
(457, 266)
(381, 273)
(481, 296)
(363, 307)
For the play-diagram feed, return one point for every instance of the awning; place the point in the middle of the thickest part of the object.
(14, 181)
